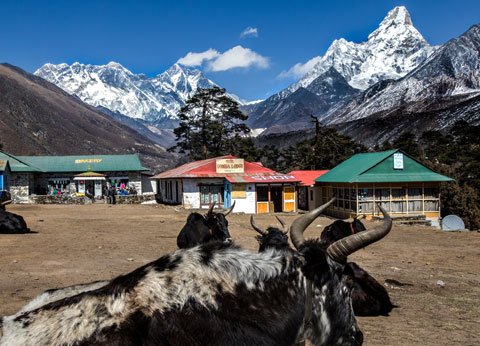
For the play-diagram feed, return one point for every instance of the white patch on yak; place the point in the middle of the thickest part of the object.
(61, 293)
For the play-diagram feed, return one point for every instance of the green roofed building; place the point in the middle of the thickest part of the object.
(401, 184)
(76, 174)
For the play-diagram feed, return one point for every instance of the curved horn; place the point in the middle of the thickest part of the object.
(284, 231)
(255, 227)
(230, 210)
(301, 223)
(210, 210)
(6, 202)
(339, 250)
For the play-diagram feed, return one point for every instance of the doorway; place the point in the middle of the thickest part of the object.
(276, 198)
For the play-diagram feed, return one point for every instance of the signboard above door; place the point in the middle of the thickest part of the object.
(230, 166)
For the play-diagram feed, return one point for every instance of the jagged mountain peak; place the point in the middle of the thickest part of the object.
(397, 16)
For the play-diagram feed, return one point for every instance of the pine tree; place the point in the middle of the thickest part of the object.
(210, 125)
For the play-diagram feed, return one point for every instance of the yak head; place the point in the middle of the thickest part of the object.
(340, 229)
(272, 237)
(332, 318)
(217, 223)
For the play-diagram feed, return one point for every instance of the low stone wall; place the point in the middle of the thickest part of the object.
(62, 199)
(72, 199)
(135, 199)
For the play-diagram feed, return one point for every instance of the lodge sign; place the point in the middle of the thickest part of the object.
(230, 166)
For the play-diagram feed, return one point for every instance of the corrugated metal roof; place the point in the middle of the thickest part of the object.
(378, 167)
(82, 163)
(253, 172)
(307, 178)
(16, 165)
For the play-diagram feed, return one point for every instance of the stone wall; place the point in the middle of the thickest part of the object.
(20, 187)
(72, 199)
(62, 199)
(135, 199)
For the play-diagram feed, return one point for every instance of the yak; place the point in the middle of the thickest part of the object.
(216, 294)
(200, 229)
(340, 229)
(10, 222)
(369, 298)
(272, 237)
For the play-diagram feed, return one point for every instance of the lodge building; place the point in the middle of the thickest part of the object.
(225, 179)
(75, 175)
(401, 184)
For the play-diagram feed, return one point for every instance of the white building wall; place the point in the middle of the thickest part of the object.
(246, 205)
(191, 191)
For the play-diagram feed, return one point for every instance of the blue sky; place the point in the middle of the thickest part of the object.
(149, 36)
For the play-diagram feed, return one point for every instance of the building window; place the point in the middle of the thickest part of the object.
(365, 194)
(211, 194)
(311, 195)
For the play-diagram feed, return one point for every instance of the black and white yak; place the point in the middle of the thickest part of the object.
(369, 297)
(201, 229)
(212, 294)
(10, 222)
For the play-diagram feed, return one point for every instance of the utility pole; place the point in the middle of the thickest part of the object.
(317, 138)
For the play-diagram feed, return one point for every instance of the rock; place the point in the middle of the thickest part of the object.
(130, 259)
(440, 283)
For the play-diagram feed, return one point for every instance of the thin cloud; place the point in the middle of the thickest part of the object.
(299, 70)
(249, 32)
(197, 59)
(238, 57)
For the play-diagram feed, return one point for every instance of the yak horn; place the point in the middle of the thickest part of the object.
(283, 224)
(210, 210)
(230, 210)
(301, 223)
(6, 202)
(255, 227)
(339, 250)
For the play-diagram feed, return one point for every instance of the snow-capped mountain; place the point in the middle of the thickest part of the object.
(451, 75)
(156, 100)
(391, 51)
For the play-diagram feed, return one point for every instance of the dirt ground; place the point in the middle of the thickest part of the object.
(77, 244)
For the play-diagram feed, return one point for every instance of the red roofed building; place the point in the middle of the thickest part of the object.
(224, 179)
(307, 196)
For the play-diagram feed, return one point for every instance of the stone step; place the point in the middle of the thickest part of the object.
(403, 218)
(413, 222)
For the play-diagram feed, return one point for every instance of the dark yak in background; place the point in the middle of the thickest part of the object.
(200, 229)
(10, 222)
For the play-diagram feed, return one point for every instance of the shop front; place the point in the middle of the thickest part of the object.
(226, 180)
(90, 184)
